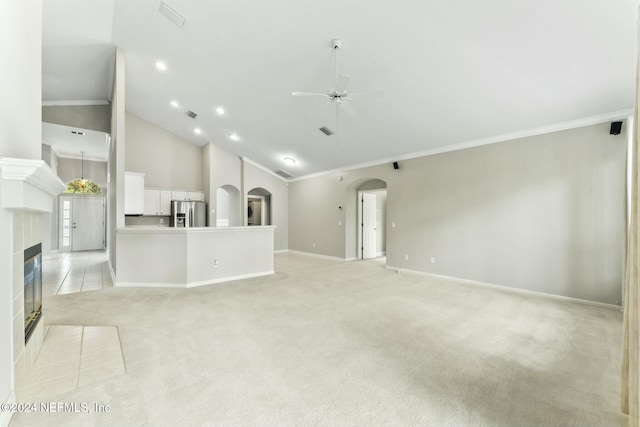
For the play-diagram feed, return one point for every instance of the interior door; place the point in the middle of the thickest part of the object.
(368, 225)
(88, 224)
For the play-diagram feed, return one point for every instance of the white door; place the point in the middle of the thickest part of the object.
(88, 224)
(368, 225)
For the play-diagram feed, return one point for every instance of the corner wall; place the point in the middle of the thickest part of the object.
(115, 193)
(544, 213)
(20, 137)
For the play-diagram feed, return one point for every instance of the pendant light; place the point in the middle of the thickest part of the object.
(82, 180)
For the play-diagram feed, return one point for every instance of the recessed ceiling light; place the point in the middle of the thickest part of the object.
(233, 136)
(197, 131)
(161, 66)
(290, 160)
(220, 111)
(174, 104)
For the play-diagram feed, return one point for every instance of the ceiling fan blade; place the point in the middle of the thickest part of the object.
(309, 94)
(348, 108)
(342, 82)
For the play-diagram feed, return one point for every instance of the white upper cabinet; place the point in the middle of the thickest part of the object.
(133, 193)
(195, 195)
(178, 195)
(157, 202)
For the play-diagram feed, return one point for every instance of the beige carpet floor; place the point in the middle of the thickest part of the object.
(322, 343)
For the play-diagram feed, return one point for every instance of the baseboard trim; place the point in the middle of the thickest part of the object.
(5, 416)
(351, 259)
(281, 251)
(333, 258)
(191, 284)
(506, 288)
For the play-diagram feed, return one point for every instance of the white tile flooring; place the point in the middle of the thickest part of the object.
(73, 356)
(69, 272)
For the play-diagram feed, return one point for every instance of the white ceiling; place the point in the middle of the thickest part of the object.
(451, 72)
(75, 143)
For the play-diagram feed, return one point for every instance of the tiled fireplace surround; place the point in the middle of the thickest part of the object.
(28, 188)
(27, 231)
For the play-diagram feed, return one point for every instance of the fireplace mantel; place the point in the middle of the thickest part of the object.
(28, 184)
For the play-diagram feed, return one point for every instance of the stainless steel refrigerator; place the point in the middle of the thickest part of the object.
(188, 213)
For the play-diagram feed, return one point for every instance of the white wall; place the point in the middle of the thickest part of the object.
(21, 93)
(21, 137)
(544, 213)
(176, 163)
(115, 193)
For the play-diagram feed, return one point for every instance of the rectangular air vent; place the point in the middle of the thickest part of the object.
(172, 15)
(284, 174)
(191, 114)
(326, 131)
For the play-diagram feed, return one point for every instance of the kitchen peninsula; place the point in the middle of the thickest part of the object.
(188, 257)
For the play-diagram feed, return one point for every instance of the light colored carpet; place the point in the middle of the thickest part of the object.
(346, 344)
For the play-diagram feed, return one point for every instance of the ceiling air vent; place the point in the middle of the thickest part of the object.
(284, 174)
(326, 131)
(191, 114)
(172, 15)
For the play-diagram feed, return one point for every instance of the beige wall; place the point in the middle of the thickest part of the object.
(70, 169)
(219, 168)
(93, 117)
(544, 213)
(255, 177)
(176, 163)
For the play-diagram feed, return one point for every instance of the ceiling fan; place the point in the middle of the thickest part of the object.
(338, 94)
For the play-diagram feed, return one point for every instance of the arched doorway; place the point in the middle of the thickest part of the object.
(259, 206)
(228, 207)
(365, 219)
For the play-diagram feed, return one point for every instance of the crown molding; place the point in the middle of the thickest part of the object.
(556, 127)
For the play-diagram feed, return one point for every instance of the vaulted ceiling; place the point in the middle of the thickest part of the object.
(434, 74)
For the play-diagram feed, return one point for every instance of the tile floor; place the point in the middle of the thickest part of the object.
(69, 272)
(73, 356)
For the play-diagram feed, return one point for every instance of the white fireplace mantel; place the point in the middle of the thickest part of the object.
(28, 184)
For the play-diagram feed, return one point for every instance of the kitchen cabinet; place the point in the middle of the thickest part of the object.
(157, 202)
(133, 193)
(186, 195)
(195, 195)
(178, 195)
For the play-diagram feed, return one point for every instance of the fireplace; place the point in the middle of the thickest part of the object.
(32, 289)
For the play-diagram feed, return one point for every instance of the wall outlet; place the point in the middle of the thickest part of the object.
(339, 222)
(215, 263)
(161, 220)
(393, 224)
(433, 260)
(406, 257)
(313, 244)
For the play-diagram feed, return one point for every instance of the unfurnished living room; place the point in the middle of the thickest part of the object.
(337, 213)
